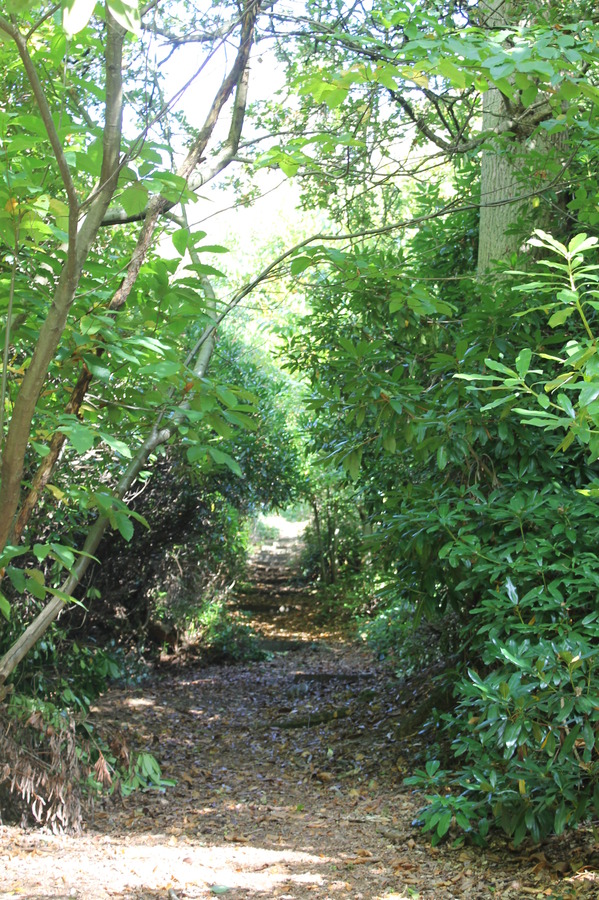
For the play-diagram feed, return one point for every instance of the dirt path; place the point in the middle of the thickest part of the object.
(289, 785)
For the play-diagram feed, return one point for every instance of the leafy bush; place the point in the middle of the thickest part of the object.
(410, 642)
(54, 763)
(222, 635)
(527, 714)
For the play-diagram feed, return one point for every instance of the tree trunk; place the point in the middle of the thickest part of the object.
(317, 529)
(504, 188)
(499, 181)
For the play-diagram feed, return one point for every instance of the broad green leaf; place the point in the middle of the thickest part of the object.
(16, 7)
(588, 393)
(561, 817)
(117, 445)
(41, 449)
(543, 239)
(126, 13)
(76, 14)
(397, 301)
(124, 525)
(523, 361)
(180, 240)
(561, 316)
(580, 243)
(333, 99)
(352, 464)
(82, 438)
(442, 457)
(163, 369)
(444, 823)
(300, 264)
(495, 403)
(566, 404)
(133, 199)
(196, 452)
(224, 459)
(449, 70)
(499, 367)
(204, 269)
(64, 554)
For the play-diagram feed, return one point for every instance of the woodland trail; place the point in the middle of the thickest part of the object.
(289, 784)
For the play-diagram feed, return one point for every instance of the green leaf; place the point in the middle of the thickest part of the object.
(523, 361)
(288, 165)
(133, 199)
(64, 554)
(300, 264)
(126, 13)
(333, 99)
(499, 367)
(565, 403)
(396, 302)
(494, 403)
(224, 459)
(561, 817)
(441, 457)
(588, 393)
(444, 823)
(4, 607)
(117, 445)
(180, 240)
(41, 449)
(204, 269)
(580, 243)
(76, 14)
(449, 70)
(124, 525)
(196, 452)
(15, 7)
(569, 742)
(163, 369)
(352, 464)
(543, 239)
(82, 438)
(561, 316)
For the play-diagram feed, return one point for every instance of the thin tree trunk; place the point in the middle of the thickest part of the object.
(235, 83)
(321, 554)
(79, 244)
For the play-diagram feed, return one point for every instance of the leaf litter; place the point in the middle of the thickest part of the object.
(289, 784)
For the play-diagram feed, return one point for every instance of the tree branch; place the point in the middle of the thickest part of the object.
(44, 111)
(51, 331)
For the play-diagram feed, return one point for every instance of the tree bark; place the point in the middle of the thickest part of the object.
(502, 183)
(499, 182)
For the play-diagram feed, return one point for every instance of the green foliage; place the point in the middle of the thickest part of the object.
(566, 399)
(531, 704)
(333, 539)
(478, 525)
(68, 762)
(411, 647)
(222, 635)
